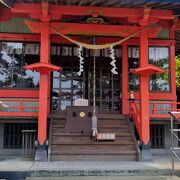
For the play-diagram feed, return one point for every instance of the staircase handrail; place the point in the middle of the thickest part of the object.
(172, 130)
(134, 137)
(172, 113)
(135, 114)
(50, 138)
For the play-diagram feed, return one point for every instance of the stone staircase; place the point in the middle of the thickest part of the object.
(68, 146)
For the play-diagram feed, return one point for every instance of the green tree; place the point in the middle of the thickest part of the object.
(178, 77)
(178, 72)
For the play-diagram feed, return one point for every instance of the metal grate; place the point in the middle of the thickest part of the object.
(157, 135)
(13, 134)
(28, 144)
(174, 135)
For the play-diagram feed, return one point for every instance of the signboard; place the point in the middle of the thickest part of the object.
(80, 102)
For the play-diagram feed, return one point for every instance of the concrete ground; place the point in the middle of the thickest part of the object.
(159, 169)
(107, 178)
(16, 164)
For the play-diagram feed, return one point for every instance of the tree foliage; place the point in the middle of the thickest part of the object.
(178, 72)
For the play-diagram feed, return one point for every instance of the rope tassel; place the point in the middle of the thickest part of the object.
(113, 62)
(81, 62)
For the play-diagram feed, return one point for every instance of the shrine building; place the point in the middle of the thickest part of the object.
(88, 79)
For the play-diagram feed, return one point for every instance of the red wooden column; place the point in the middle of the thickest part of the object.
(44, 67)
(144, 98)
(144, 88)
(173, 67)
(44, 85)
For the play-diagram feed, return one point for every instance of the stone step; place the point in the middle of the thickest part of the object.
(58, 125)
(94, 157)
(111, 116)
(79, 146)
(117, 122)
(59, 132)
(112, 125)
(84, 139)
(63, 150)
(91, 143)
(94, 148)
(113, 130)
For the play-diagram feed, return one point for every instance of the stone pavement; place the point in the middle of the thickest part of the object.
(107, 178)
(15, 164)
(161, 166)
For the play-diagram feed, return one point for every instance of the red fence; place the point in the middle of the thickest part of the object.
(135, 114)
(29, 107)
(157, 109)
(161, 109)
(19, 107)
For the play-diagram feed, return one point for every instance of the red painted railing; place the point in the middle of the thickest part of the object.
(157, 109)
(29, 107)
(19, 107)
(135, 115)
(161, 109)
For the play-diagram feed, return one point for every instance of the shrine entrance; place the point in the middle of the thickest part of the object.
(68, 86)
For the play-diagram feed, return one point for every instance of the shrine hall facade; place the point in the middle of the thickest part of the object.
(88, 80)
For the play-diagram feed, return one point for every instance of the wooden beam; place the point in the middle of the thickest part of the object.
(14, 93)
(98, 29)
(6, 14)
(19, 114)
(19, 37)
(55, 10)
(45, 12)
(146, 16)
(177, 25)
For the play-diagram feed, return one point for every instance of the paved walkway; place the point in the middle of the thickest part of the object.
(159, 162)
(161, 166)
(15, 164)
(106, 178)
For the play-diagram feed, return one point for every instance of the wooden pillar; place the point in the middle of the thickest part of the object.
(144, 99)
(125, 97)
(44, 86)
(144, 90)
(172, 67)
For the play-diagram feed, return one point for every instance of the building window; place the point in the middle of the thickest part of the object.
(13, 134)
(159, 56)
(157, 135)
(67, 85)
(133, 62)
(13, 56)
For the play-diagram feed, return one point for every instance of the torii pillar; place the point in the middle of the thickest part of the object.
(144, 70)
(44, 67)
(144, 98)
